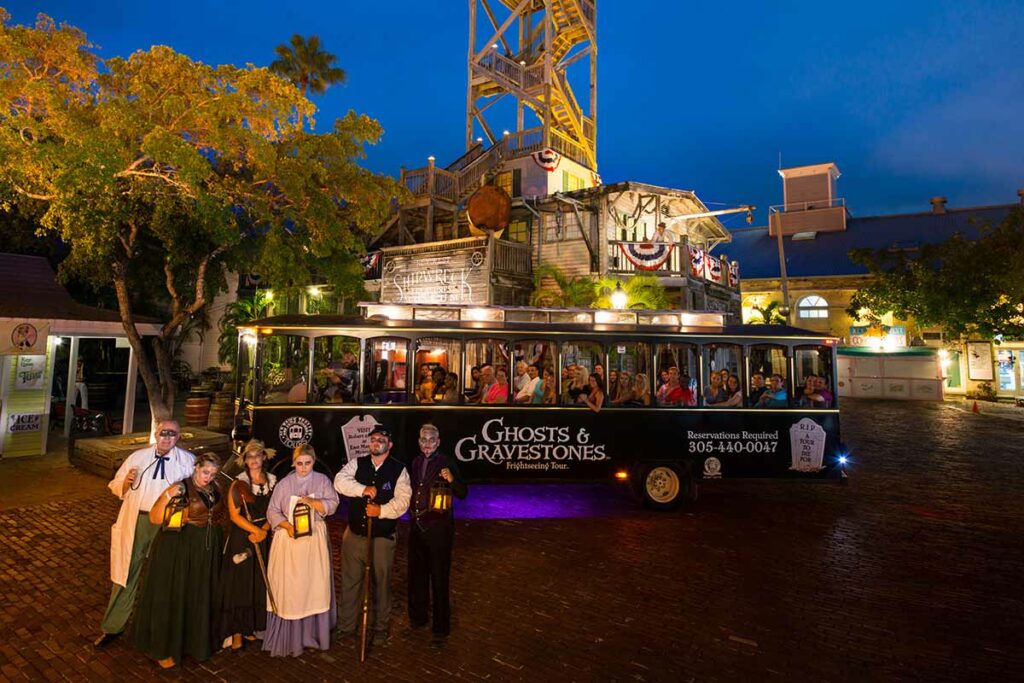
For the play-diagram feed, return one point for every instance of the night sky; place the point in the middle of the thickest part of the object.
(911, 98)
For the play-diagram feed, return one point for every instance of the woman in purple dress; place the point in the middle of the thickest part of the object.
(299, 574)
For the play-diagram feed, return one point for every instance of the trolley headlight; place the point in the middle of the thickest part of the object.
(842, 459)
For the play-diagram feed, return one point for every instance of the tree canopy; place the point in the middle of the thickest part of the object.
(968, 287)
(162, 169)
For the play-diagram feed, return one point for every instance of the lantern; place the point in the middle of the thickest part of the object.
(440, 496)
(302, 520)
(176, 513)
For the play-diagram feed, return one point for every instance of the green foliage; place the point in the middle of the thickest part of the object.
(244, 310)
(307, 66)
(967, 287)
(769, 314)
(642, 291)
(159, 172)
(555, 289)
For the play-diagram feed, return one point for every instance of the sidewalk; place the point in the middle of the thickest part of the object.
(1006, 411)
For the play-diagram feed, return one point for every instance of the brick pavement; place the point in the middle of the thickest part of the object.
(911, 572)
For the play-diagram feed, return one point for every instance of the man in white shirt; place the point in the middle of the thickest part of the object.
(525, 395)
(140, 480)
(378, 489)
(522, 376)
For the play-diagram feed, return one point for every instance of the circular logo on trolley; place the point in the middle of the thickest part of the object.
(712, 468)
(295, 431)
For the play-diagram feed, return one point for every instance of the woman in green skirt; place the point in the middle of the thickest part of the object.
(174, 615)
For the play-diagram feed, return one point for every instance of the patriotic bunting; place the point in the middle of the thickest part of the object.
(713, 269)
(646, 255)
(696, 262)
(734, 273)
(547, 158)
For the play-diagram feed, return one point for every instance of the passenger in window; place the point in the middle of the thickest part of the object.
(724, 375)
(579, 386)
(486, 382)
(594, 398)
(775, 396)
(715, 393)
(735, 396)
(757, 389)
(525, 395)
(821, 386)
(473, 389)
(437, 377)
(674, 392)
(662, 378)
(613, 384)
(497, 392)
(599, 369)
(546, 388)
(641, 394)
(522, 377)
(424, 385)
(451, 390)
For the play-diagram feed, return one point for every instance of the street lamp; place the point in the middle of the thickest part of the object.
(619, 298)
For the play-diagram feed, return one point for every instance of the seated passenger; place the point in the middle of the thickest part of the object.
(757, 388)
(674, 393)
(451, 394)
(548, 396)
(525, 394)
(595, 397)
(579, 387)
(641, 393)
(498, 391)
(438, 378)
(613, 384)
(821, 386)
(425, 385)
(809, 396)
(732, 389)
(486, 382)
(715, 393)
(775, 396)
(522, 376)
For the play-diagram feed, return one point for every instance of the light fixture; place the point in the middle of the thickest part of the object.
(505, 133)
(431, 158)
(314, 291)
(302, 521)
(268, 295)
(619, 297)
(750, 217)
(176, 513)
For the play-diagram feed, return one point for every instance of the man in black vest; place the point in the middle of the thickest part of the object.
(377, 486)
(435, 479)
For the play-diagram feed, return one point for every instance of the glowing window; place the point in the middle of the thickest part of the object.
(812, 307)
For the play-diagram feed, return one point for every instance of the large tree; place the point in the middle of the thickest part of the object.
(306, 65)
(968, 287)
(162, 170)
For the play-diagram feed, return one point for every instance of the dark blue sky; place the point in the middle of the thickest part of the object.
(911, 98)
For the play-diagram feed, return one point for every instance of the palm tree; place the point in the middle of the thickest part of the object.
(642, 291)
(769, 314)
(307, 66)
(553, 288)
(238, 313)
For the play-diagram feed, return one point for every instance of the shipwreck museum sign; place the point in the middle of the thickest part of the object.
(452, 276)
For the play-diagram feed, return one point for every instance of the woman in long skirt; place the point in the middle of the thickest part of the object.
(242, 591)
(300, 573)
(175, 612)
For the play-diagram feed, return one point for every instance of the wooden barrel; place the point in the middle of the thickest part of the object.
(224, 397)
(221, 417)
(197, 410)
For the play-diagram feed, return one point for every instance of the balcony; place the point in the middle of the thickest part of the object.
(826, 215)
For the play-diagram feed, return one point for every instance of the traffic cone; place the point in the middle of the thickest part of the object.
(974, 408)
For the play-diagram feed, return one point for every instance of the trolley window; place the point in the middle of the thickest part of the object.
(438, 360)
(336, 369)
(723, 383)
(629, 374)
(385, 370)
(677, 368)
(769, 376)
(491, 358)
(246, 366)
(534, 358)
(580, 361)
(814, 377)
(285, 366)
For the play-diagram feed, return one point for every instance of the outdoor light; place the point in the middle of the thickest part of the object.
(314, 291)
(622, 475)
(302, 521)
(430, 158)
(505, 133)
(269, 295)
(440, 496)
(750, 217)
(619, 298)
(479, 139)
(176, 513)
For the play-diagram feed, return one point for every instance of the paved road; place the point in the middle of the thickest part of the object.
(911, 572)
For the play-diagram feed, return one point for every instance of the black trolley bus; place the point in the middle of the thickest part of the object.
(664, 425)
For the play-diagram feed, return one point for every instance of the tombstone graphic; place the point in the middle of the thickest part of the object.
(356, 434)
(807, 446)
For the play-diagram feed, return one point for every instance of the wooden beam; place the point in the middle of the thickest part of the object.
(504, 27)
(469, 74)
(494, 23)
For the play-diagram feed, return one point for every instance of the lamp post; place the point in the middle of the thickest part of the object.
(784, 309)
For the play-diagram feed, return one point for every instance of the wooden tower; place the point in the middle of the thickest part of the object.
(524, 55)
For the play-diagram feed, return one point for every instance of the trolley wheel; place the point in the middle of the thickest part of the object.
(664, 487)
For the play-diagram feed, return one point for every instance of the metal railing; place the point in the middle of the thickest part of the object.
(808, 206)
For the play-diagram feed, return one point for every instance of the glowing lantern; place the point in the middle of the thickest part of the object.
(440, 497)
(302, 521)
(176, 513)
